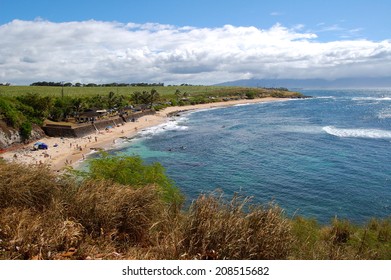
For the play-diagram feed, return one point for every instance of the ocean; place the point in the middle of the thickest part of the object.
(324, 157)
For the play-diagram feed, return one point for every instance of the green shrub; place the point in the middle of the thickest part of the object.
(9, 113)
(131, 171)
(25, 130)
(251, 95)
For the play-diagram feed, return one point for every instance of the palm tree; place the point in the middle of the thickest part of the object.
(154, 96)
(111, 100)
(178, 95)
(135, 97)
(145, 98)
(78, 105)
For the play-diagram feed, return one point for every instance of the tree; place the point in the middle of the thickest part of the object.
(97, 101)
(35, 106)
(145, 98)
(178, 94)
(61, 109)
(121, 102)
(154, 97)
(78, 105)
(111, 100)
(135, 97)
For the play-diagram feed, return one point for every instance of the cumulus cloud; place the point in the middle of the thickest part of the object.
(95, 51)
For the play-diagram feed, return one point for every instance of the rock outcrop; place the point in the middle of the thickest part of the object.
(10, 137)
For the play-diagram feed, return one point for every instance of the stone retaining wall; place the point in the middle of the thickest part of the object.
(81, 130)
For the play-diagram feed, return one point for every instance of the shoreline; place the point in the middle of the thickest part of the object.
(63, 152)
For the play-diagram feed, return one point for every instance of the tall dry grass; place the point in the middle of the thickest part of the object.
(341, 240)
(46, 216)
(27, 186)
(28, 234)
(120, 212)
(219, 229)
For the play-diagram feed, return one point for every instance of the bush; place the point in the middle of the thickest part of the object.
(132, 171)
(25, 130)
(251, 95)
(10, 114)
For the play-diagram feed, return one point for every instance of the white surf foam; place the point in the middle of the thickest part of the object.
(307, 129)
(326, 97)
(172, 125)
(384, 114)
(371, 98)
(358, 133)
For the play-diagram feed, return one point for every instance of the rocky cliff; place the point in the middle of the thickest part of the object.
(10, 137)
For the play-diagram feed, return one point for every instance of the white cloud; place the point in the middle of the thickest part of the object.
(94, 51)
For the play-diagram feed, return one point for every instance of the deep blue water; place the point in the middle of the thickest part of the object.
(322, 157)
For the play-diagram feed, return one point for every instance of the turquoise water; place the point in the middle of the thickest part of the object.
(322, 157)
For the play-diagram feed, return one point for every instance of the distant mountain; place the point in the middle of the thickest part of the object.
(313, 83)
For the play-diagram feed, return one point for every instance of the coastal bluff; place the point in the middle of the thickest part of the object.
(10, 137)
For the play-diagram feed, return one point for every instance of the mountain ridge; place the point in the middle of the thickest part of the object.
(382, 82)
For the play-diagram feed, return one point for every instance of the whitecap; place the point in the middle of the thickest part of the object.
(358, 133)
(384, 114)
(243, 104)
(371, 98)
(172, 125)
(325, 97)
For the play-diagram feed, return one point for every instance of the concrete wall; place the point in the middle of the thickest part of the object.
(81, 130)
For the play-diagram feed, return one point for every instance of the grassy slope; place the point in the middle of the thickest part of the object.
(46, 216)
(86, 91)
(164, 91)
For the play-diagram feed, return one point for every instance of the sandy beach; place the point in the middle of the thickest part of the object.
(64, 152)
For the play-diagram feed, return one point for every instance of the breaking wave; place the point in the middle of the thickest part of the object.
(358, 133)
(384, 114)
(172, 125)
(371, 98)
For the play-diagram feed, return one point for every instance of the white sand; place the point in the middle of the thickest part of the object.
(68, 151)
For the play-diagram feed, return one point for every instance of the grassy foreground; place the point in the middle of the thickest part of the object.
(49, 216)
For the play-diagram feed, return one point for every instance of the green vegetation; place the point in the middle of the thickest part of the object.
(132, 171)
(21, 112)
(48, 216)
(58, 91)
(22, 106)
(166, 92)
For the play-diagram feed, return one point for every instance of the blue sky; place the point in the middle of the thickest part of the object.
(330, 19)
(200, 41)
